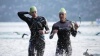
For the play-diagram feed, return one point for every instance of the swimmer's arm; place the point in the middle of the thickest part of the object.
(46, 26)
(51, 34)
(73, 31)
(22, 16)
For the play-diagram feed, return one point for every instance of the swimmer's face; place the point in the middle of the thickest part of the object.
(33, 14)
(62, 16)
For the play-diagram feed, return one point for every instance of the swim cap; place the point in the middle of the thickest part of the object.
(33, 8)
(62, 10)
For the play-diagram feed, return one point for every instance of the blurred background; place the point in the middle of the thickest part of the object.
(89, 10)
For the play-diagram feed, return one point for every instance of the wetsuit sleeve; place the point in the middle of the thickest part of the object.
(73, 31)
(53, 28)
(45, 24)
(51, 34)
(22, 16)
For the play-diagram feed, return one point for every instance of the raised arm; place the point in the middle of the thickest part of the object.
(22, 16)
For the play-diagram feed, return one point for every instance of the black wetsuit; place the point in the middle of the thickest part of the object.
(64, 31)
(37, 43)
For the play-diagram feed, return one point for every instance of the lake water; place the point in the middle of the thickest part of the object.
(12, 43)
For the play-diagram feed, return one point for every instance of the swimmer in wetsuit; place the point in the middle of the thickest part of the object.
(64, 28)
(36, 24)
